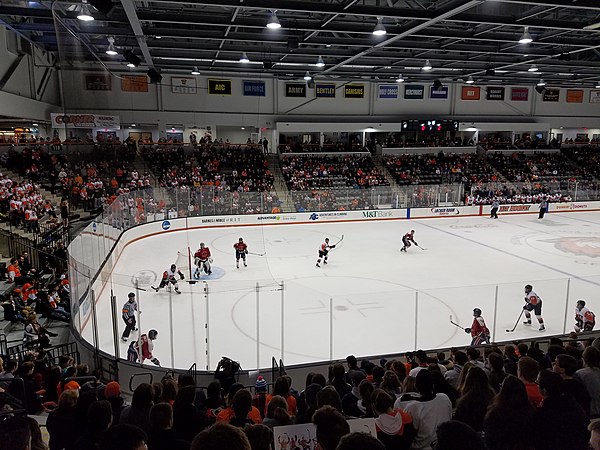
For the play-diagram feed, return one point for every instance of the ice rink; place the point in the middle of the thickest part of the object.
(371, 299)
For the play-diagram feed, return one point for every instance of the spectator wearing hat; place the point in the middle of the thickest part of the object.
(112, 393)
(259, 400)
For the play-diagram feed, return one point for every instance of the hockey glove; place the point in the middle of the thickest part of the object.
(246, 252)
(332, 246)
(525, 307)
(155, 361)
(467, 330)
(416, 243)
(210, 260)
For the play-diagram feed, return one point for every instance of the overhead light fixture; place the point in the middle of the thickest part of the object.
(273, 22)
(400, 79)
(111, 47)
(34, 124)
(525, 37)
(427, 66)
(540, 89)
(437, 84)
(243, 128)
(244, 58)
(131, 65)
(307, 76)
(490, 72)
(533, 68)
(157, 37)
(133, 125)
(379, 29)
(320, 62)
(195, 71)
(593, 26)
(541, 82)
(84, 12)
(131, 58)
(597, 87)
(470, 80)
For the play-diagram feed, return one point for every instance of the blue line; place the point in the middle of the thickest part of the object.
(513, 255)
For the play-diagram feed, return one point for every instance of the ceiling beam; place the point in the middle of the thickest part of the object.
(136, 26)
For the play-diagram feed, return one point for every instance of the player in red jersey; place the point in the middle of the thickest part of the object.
(323, 252)
(585, 320)
(241, 250)
(202, 260)
(479, 331)
(407, 239)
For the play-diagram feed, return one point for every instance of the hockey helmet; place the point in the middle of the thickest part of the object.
(131, 295)
(201, 244)
(412, 231)
(326, 239)
(476, 312)
(173, 267)
(528, 288)
(241, 240)
(152, 334)
(580, 303)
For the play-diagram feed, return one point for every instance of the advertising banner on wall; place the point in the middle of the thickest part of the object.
(183, 85)
(98, 82)
(470, 93)
(439, 93)
(325, 90)
(388, 91)
(134, 83)
(518, 94)
(594, 96)
(495, 93)
(85, 121)
(551, 95)
(354, 91)
(414, 91)
(295, 90)
(219, 87)
(254, 88)
(574, 95)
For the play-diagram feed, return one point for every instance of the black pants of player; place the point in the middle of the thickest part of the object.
(129, 327)
(406, 243)
(542, 212)
(537, 308)
(494, 213)
(239, 255)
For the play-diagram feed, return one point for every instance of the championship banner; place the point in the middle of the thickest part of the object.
(470, 93)
(388, 91)
(354, 91)
(134, 83)
(574, 95)
(253, 88)
(87, 121)
(594, 96)
(495, 93)
(184, 85)
(219, 87)
(98, 82)
(414, 91)
(518, 94)
(551, 95)
(325, 90)
(439, 93)
(295, 90)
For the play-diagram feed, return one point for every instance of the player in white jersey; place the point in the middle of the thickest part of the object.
(324, 251)
(170, 276)
(533, 302)
(585, 320)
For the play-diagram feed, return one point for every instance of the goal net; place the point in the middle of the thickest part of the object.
(184, 262)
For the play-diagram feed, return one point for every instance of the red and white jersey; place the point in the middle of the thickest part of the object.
(585, 315)
(202, 253)
(240, 246)
(170, 274)
(533, 298)
(325, 247)
(478, 327)
(409, 236)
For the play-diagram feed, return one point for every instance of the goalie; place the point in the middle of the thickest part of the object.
(202, 261)
(170, 276)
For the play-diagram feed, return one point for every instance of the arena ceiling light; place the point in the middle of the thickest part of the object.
(307, 76)
(598, 85)
(379, 29)
(131, 58)
(320, 62)
(541, 82)
(111, 47)
(400, 79)
(195, 71)
(533, 68)
(273, 22)
(244, 58)
(84, 12)
(470, 80)
(427, 66)
(525, 37)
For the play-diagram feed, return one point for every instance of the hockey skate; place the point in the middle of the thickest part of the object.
(542, 327)
(245, 265)
(403, 249)
(123, 339)
(527, 322)
(237, 265)
(317, 265)
(178, 291)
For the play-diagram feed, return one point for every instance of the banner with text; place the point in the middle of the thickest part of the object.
(219, 87)
(495, 93)
(518, 94)
(183, 85)
(388, 91)
(254, 88)
(354, 91)
(325, 90)
(295, 90)
(85, 121)
(594, 96)
(574, 95)
(98, 82)
(470, 93)
(134, 83)
(414, 91)
(551, 95)
(439, 93)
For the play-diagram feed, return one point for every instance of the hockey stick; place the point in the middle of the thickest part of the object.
(455, 324)
(257, 254)
(420, 247)
(339, 241)
(516, 323)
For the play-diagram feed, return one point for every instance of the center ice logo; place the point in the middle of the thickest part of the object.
(583, 246)
(166, 225)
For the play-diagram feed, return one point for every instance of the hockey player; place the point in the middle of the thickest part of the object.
(533, 302)
(241, 250)
(407, 239)
(323, 251)
(479, 331)
(170, 276)
(494, 211)
(128, 314)
(133, 353)
(202, 260)
(585, 320)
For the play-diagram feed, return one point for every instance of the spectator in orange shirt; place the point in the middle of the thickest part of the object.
(282, 388)
(228, 413)
(527, 371)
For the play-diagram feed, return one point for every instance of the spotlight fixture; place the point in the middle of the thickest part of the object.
(540, 89)
(84, 12)
(307, 76)
(541, 82)
(133, 125)
(154, 75)
(427, 66)
(111, 47)
(490, 72)
(244, 58)
(470, 80)
(525, 37)
(131, 65)
(320, 62)
(400, 79)
(533, 68)
(195, 71)
(273, 22)
(131, 58)
(379, 29)
(268, 64)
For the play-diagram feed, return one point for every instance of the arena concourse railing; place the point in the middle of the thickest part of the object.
(98, 291)
(561, 188)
